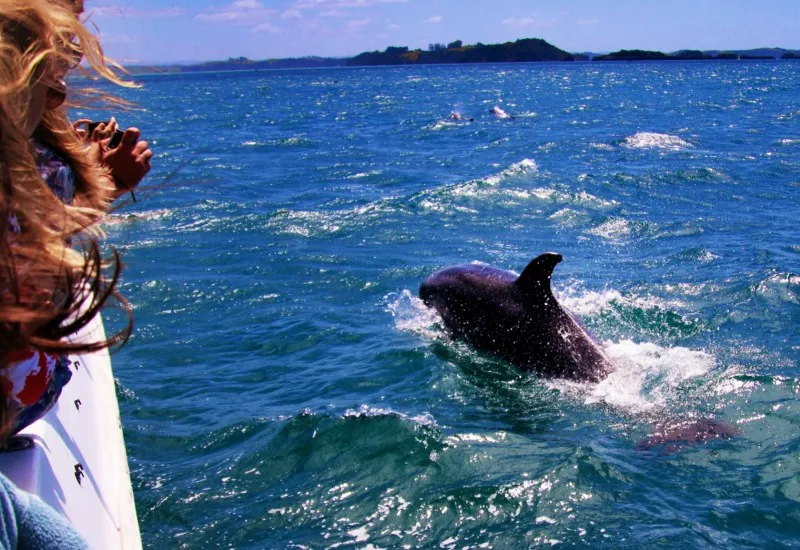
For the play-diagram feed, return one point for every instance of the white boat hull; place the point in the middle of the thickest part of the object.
(77, 461)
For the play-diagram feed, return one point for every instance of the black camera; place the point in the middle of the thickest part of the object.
(116, 139)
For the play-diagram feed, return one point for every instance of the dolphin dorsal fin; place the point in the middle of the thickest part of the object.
(535, 278)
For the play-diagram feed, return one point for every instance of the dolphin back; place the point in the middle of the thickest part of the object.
(516, 318)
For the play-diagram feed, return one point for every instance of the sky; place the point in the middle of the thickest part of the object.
(170, 31)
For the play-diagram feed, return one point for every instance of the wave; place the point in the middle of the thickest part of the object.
(150, 215)
(294, 141)
(367, 174)
(310, 223)
(780, 288)
(508, 186)
(652, 140)
(500, 186)
(614, 230)
(440, 198)
(518, 169)
(631, 316)
(442, 125)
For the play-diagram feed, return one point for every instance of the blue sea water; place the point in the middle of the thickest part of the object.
(285, 388)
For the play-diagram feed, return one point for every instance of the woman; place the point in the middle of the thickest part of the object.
(48, 290)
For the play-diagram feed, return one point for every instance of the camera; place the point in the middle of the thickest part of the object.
(116, 139)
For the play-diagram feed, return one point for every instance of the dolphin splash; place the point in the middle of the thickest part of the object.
(516, 318)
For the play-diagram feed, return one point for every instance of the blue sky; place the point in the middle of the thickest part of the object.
(197, 30)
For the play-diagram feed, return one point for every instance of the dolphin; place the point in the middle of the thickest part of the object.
(516, 318)
(499, 113)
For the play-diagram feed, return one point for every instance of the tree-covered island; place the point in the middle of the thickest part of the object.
(522, 50)
(525, 49)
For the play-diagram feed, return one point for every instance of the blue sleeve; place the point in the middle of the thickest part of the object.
(34, 524)
(8, 519)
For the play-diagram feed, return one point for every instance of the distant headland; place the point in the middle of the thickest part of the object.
(522, 50)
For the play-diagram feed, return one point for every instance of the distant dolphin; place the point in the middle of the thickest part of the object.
(455, 115)
(516, 318)
(499, 113)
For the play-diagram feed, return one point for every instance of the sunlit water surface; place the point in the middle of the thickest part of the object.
(285, 387)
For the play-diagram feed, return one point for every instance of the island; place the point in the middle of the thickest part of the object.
(522, 50)
(525, 49)
(645, 55)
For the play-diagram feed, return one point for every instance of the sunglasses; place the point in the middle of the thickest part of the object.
(56, 95)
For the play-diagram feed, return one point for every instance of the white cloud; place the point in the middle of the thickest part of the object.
(268, 28)
(393, 26)
(332, 13)
(435, 19)
(243, 11)
(129, 11)
(588, 22)
(219, 16)
(358, 24)
(337, 4)
(521, 22)
(291, 14)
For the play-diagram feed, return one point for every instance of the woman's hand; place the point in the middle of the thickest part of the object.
(129, 162)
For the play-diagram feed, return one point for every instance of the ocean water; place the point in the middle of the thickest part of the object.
(285, 387)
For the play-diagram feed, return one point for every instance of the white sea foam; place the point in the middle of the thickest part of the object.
(518, 169)
(652, 140)
(455, 440)
(366, 411)
(488, 185)
(614, 230)
(365, 174)
(567, 217)
(587, 303)
(780, 287)
(412, 315)
(493, 144)
(646, 378)
(441, 125)
(307, 223)
(587, 199)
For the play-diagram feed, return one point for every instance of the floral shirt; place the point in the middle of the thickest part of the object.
(55, 172)
(32, 380)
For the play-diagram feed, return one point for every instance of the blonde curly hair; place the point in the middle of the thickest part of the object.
(53, 280)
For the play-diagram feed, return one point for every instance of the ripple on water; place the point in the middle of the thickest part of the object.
(780, 288)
